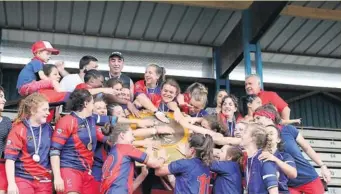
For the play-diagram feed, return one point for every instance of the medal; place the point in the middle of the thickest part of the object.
(36, 157)
(89, 146)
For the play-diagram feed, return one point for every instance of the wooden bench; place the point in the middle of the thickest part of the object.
(321, 135)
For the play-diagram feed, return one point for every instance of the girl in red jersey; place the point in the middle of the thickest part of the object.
(27, 150)
(148, 91)
(192, 175)
(118, 169)
(5, 127)
(194, 100)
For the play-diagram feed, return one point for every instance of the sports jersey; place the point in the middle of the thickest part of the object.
(283, 179)
(229, 177)
(260, 176)
(83, 86)
(154, 94)
(201, 113)
(70, 140)
(101, 153)
(30, 72)
(229, 125)
(118, 169)
(305, 171)
(20, 148)
(5, 127)
(191, 176)
(273, 98)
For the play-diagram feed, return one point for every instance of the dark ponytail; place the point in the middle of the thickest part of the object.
(244, 101)
(203, 146)
(77, 100)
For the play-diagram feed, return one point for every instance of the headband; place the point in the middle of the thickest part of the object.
(266, 114)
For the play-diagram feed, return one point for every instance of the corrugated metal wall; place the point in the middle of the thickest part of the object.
(317, 110)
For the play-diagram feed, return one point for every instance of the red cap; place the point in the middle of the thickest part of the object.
(44, 45)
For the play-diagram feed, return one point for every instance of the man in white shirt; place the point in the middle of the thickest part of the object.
(70, 81)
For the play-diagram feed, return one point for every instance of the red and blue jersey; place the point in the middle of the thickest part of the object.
(70, 141)
(118, 169)
(101, 153)
(191, 176)
(229, 177)
(305, 171)
(154, 94)
(283, 179)
(261, 176)
(20, 148)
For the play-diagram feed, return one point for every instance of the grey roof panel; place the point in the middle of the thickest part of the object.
(225, 32)
(201, 25)
(273, 32)
(331, 46)
(157, 21)
(217, 24)
(142, 19)
(46, 16)
(2, 14)
(31, 15)
(111, 16)
(63, 16)
(79, 16)
(126, 19)
(187, 24)
(94, 20)
(171, 24)
(14, 13)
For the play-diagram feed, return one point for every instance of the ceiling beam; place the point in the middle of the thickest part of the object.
(311, 13)
(289, 10)
(235, 5)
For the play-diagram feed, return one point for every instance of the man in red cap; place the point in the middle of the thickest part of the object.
(32, 78)
(252, 86)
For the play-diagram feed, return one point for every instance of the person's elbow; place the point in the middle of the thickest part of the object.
(292, 174)
(285, 114)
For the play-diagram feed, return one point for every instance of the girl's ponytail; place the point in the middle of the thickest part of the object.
(203, 146)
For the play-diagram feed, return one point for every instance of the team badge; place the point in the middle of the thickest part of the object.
(59, 131)
(9, 142)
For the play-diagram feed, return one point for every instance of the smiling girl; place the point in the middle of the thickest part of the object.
(27, 152)
(228, 114)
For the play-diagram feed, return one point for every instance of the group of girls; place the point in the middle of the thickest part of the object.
(93, 149)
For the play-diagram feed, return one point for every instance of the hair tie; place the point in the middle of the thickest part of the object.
(265, 114)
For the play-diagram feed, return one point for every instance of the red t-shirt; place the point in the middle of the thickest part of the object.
(273, 98)
(83, 86)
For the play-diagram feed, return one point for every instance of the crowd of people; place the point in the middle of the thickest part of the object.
(246, 144)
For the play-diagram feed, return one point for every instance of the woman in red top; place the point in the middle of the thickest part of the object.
(148, 91)
(27, 151)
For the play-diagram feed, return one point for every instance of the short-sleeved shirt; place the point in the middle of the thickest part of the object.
(154, 94)
(118, 169)
(191, 176)
(70, 141)
(273, 98)
(101, 153)
(229, 177)
(283, 179)
(123, 78)
(69, 82)
(30, 72)
(5, 127)
(305, 171)
(20, 148)
(260, 176)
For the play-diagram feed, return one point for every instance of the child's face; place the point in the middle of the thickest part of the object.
(197, 106)
(223, 152)
(100, 108)
(263, 120)
(118, 112)
(273, 134)
(238, 131)
(44, 55)
(125, 94)
(118, 87)
(97, 82)
(54, 75)
(168, 93)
